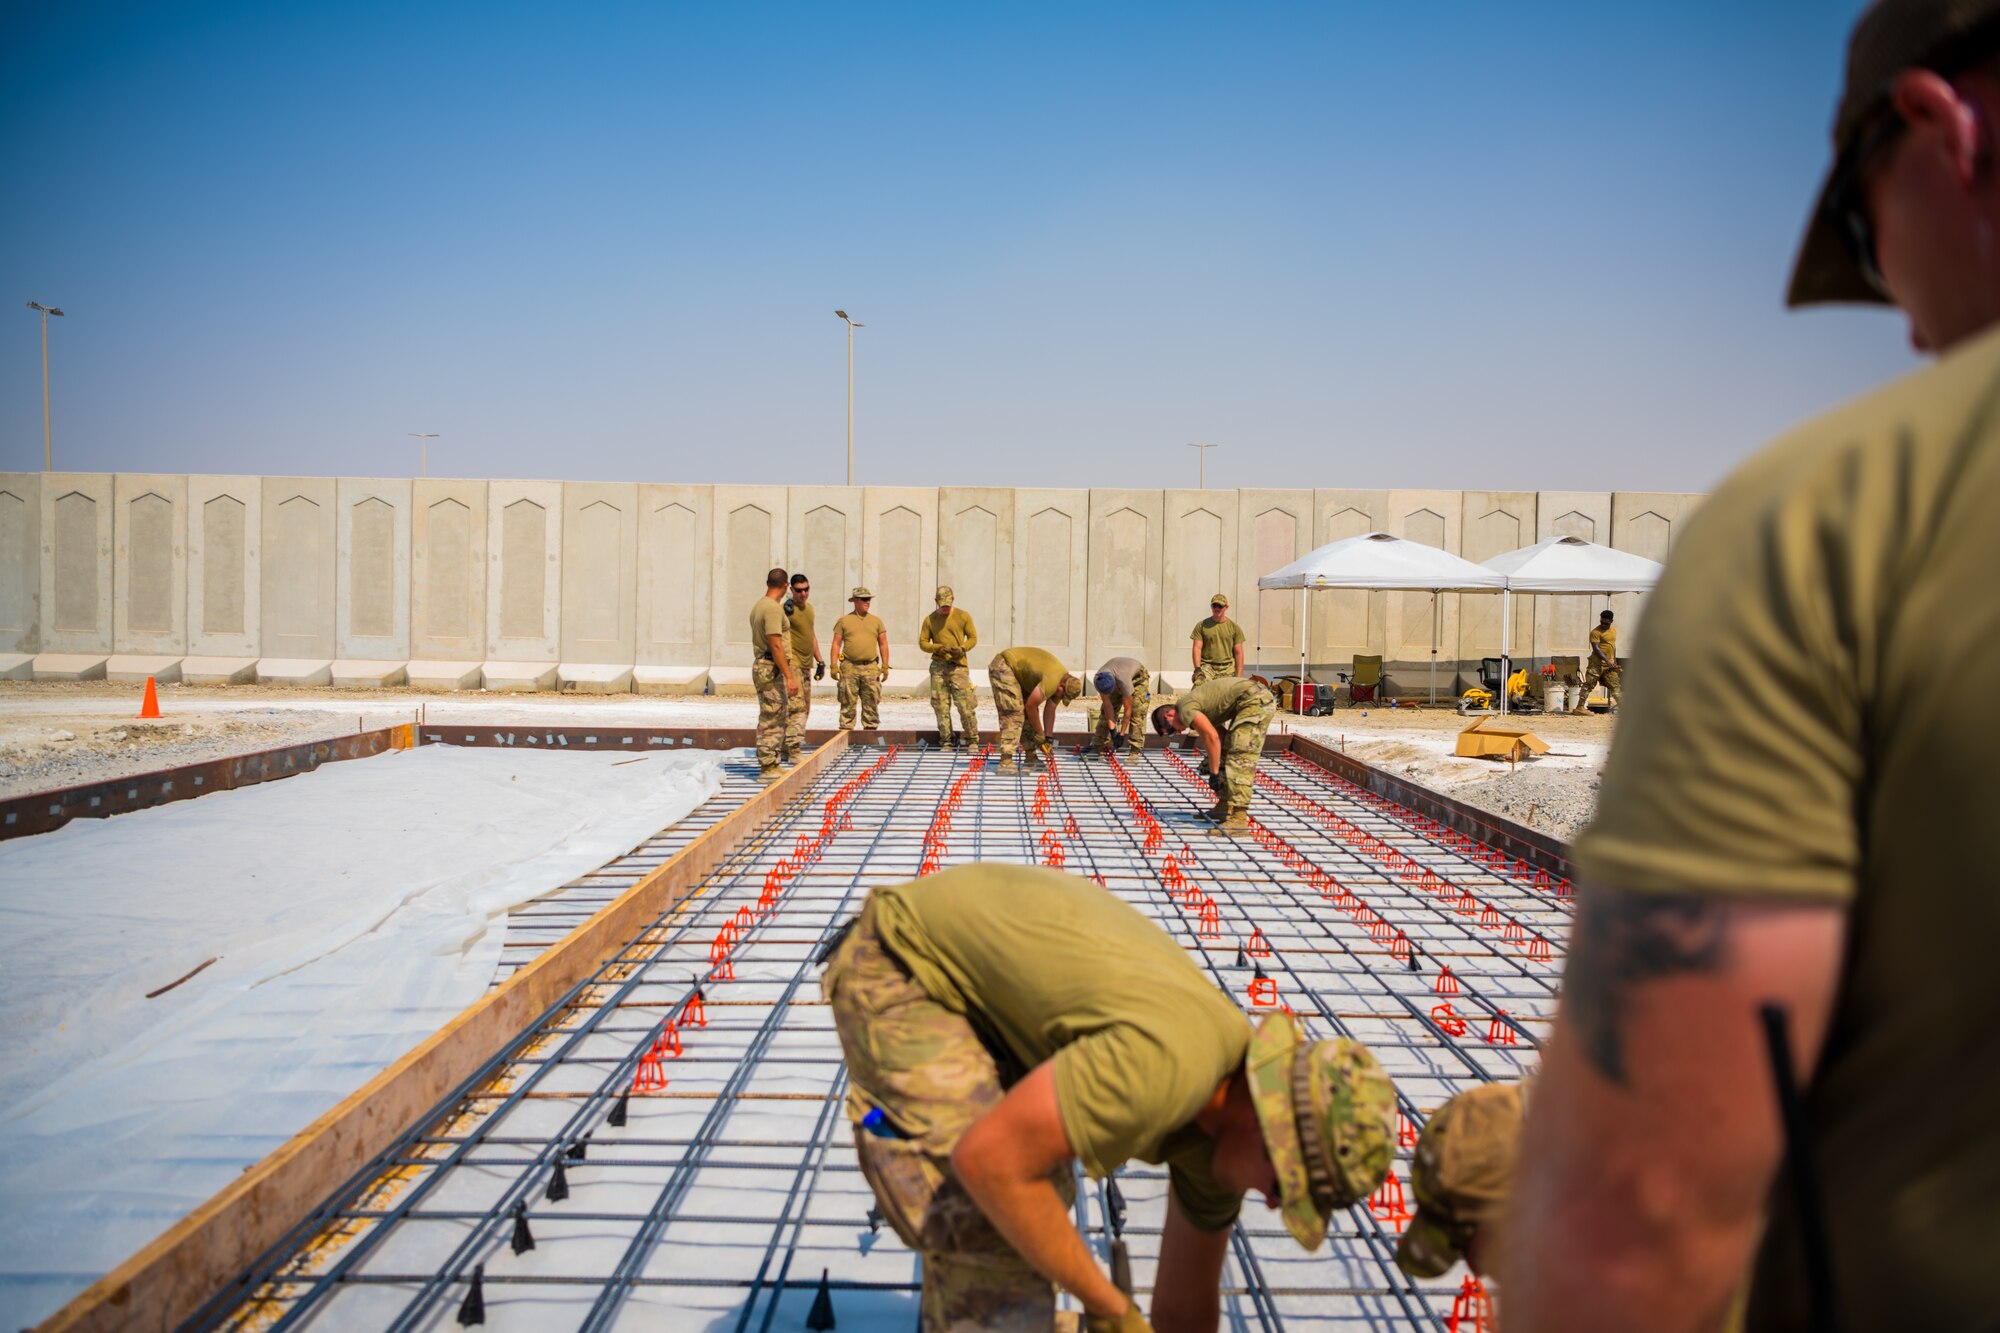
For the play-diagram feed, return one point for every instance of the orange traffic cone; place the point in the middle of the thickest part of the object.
(150, 708)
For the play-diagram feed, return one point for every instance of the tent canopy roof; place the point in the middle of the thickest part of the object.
(1571, 564)
(1376, 560)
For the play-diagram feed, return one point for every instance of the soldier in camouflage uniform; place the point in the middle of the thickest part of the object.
(1462, 1173)
(1028, 685)
(948, 635)
(803, 643)
(861, 648)
(1229, 718)
(771, 674)
(959, 1001)
(1123, 691)
(1216, 643)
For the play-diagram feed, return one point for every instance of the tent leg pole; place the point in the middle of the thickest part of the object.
(1506, 615)
(1299, 697)
(1434, 648)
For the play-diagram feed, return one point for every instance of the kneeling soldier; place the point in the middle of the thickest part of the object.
(1241, 708)
(1002, 1022)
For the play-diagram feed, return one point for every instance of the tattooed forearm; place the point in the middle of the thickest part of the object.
(1624, 940)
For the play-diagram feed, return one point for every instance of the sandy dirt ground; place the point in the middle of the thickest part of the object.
(55, 736)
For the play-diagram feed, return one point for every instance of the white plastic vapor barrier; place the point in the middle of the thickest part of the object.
(350, 913)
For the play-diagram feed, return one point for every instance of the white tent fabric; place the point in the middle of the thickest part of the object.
(1573, 565)
(1378, 561)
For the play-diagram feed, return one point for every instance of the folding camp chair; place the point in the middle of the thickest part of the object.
(1364, 682)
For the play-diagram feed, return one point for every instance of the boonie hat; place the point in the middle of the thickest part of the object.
(1892, 36)
(1329, 1118)
(1463, 1166)
(1070, 687)
(861, 595)
(1220, 599)
(943, 595)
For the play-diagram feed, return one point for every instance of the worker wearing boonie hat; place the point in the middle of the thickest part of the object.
(948, 635)
(1461, 1174)
(861, 646)
(1217, 643)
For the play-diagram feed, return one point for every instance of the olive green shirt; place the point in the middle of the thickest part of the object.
(1047, 966)
(947, 631)
(801, 633)
(1607, 639)
(1802, 723)
(1036, 668)
(857, 634)
(1222, 701)
(1218, 642)
(766, 618)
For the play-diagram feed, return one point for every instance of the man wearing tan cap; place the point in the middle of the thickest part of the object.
(1028, 685)
(1817, 837)
(947, 634)
(1217, 643)
(861, 646)
(1003, 1023)
(1461, 1174)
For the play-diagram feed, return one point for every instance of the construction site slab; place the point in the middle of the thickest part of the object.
(587, 678)
(519, 677)
(442, 675)
(669, 680)
(134, 670)
(219, 670)
(373, 675)
(70, 666)
(294, 671)
(17, 666)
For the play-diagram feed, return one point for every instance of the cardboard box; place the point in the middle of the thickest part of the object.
(1492, 739)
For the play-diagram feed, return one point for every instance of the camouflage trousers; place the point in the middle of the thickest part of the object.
(772, 706)
(860, 683)
(1243, 745)
(921, 1065)
(1214, 671)
(1612, 676)
(798, 707)
(1111, 714)
(951, 687)
(1014, 719)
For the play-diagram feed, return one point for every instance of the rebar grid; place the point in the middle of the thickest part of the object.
(671, 1136)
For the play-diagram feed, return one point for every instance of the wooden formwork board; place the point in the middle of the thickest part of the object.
(201, 1255)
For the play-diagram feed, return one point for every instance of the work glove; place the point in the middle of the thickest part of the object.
(819, 669)
(1217, 784)
(1132, 1321)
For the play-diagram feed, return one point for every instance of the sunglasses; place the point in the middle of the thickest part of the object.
(802, 587)
(1847, 196)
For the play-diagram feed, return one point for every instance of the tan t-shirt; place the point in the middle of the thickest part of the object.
(1218, 642)
(800, 636)
(1607, 639)
(1797, 725)
(1036, 668)
(856, 633)
(766, 618)
(1049, 966)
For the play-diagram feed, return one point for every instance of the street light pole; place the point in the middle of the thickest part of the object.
(851, 327)
(48, 438)
(1201, 472)
(423, 450)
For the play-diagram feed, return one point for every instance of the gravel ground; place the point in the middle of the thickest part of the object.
(61, 735)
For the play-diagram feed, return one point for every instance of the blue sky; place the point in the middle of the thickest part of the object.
(1535, 246)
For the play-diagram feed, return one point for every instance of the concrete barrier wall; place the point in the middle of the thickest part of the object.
(660, 576)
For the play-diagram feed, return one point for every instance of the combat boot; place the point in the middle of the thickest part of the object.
(1216, 813)
(770, 773)
(1232, 822)
(1008, 764)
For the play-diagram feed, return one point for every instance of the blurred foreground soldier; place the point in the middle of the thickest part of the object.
(771, 674)
(804, 647)
(1229, 719)
(861, 647)
(1461, 1174)
(1602, 664)
(1816, 834)
(948, 636)
(1024, 680)
(1217, 643)
(1123, 692)
(1003, 1022)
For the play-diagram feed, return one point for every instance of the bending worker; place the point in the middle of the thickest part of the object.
(1001, 1022)
(1217, 643)
(1461, 1174)
(947, 634)
(1241, 708)
(1025, 679)
(1123, 691)
(861, 646)
(1603, 664)
(804, 646)
(771, 675)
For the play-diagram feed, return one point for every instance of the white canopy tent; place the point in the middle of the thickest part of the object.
(1564, 565)
(1378, 562)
